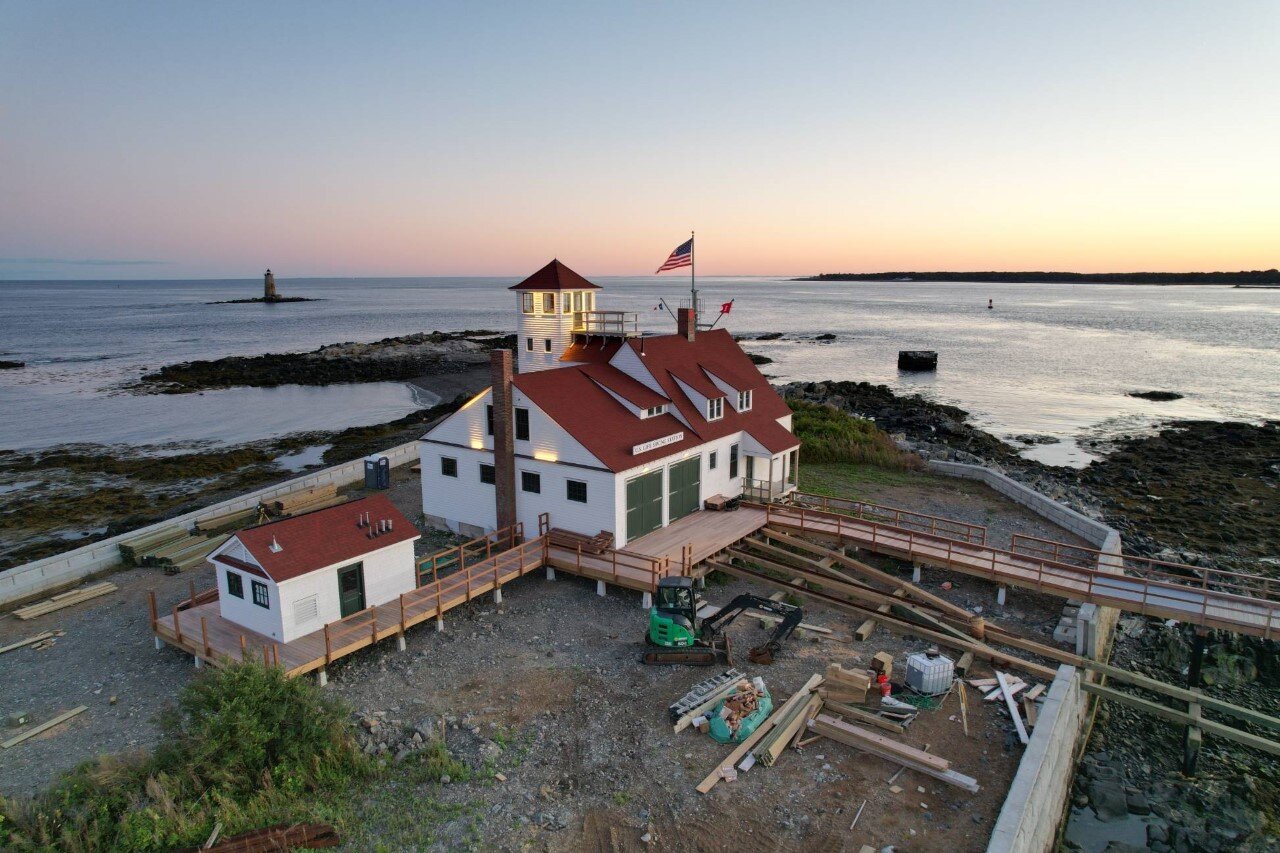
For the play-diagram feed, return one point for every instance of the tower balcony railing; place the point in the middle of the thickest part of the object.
(606, 323)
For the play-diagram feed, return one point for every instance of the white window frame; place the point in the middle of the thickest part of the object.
(744, 401)
(711, 460)
(653, 412)
(526, 303)
(548, 299)
(715, 408)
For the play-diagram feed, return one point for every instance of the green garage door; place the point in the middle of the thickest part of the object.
(644, 505)
(682, 487)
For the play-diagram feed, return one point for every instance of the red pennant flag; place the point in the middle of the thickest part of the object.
(725, 308)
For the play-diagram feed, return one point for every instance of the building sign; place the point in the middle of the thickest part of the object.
(656, 443)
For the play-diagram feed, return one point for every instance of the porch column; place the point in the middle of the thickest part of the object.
(771, 478)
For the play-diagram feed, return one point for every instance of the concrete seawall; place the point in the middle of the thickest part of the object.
(48, 575)
(1028, 821)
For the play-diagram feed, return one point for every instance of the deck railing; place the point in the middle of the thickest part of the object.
(478, 549)
(1151, 592)
(606, 322)
(1203, 577)
(903, 518)
(764, 491)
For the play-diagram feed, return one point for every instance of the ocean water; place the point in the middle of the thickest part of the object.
(1048, 359)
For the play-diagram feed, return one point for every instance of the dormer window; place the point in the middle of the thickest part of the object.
(744, 401)
(715, 409)
(654, 411)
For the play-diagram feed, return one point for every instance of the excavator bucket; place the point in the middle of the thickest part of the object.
(761, 655)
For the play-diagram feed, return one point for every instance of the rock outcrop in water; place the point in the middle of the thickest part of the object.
(391, 359)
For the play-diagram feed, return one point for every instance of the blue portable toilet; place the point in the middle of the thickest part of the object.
(377, 472)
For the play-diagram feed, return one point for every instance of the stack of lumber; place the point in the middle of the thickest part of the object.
(132, 551)
(185, 553)
(802, 707)
(597, 544)
(66, 599)
(229, 520)
(304, 500)
(891, 750)
(846, 685)
(39, 641)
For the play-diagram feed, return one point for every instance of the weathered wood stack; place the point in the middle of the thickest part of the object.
(597, 544)
(304, 500)
(132, 551)
(228, 521)
(66, 599)
(846, 685)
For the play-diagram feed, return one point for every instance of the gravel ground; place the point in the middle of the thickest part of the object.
(547, 689)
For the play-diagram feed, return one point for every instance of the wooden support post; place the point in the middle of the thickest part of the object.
(177, 624)
(244, 648)
(373, 624)
(191, 582)
(204, 635)
(151, 609)
(1192, 741)
(328, 646)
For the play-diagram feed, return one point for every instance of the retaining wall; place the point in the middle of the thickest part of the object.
(1028, 821)
(47, 575)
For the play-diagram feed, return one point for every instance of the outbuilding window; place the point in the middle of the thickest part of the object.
(235, 584)
(488, 474)
(260, 595)
(448, 466)
(531, 482)
(576, 490)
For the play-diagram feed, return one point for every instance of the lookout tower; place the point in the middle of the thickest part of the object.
(269, 287)
(552, 305)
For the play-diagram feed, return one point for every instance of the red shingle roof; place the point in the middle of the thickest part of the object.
(593, 351)
(323, 538)
(573, 397)
(555, 276)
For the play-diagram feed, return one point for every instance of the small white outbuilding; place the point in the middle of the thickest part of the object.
(288, 578)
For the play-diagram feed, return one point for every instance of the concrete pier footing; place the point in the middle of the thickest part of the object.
(199, 661)
(915, 573)
(600, 588)
(439, 624)
(497, 595)
(322, 677)
(1001, 594)
(551, 573)
(400, 644)
(646, 600)
(159, 643)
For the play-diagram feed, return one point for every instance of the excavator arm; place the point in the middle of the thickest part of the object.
(790, 615)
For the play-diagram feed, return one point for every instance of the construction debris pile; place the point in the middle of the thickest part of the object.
(737, 715)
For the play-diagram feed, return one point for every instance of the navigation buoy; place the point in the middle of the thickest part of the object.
(990, 304)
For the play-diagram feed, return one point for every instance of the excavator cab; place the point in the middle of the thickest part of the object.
(673, 619)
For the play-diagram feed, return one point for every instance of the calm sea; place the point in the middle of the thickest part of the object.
(1048, 359)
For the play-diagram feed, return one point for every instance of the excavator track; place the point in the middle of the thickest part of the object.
(688, 655)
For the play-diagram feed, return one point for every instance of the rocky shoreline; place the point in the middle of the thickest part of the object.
(1198, 492)
(397, 359)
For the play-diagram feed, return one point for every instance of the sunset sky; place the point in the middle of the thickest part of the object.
(372, 139)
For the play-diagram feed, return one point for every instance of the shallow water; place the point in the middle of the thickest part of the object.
(1049, 359)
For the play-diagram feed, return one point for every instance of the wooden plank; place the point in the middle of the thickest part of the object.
(1033, 693)
(35, 638)
(964, 709)
(1181, 717)
(66, 599)
(965, 662)
(864, 716)
(824, 722)
(43, 727)
(763, 729)
(1029, 706)
(772, 747)
(949, 776)
(1015, 685)
(1013, 708)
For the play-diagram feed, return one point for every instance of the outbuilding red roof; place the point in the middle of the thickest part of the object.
(555, 276)
(574, 397)
(325, 537)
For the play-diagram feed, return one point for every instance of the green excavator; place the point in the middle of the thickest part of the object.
(676, 635)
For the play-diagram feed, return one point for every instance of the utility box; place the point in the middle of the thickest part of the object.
(377, 472)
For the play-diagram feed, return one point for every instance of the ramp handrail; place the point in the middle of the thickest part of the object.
(904, 518)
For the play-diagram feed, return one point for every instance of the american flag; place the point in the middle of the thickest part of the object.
(681, 257)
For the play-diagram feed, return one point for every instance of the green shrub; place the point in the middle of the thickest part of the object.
(245, 746)
(828, 434)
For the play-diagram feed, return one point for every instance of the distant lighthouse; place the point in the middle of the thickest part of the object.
(269, 287)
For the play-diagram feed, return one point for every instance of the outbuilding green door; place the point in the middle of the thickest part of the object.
(351, 589)
(644, 504)
(683, 480)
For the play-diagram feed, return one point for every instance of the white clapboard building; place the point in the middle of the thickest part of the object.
(605, 428)
(288, 578)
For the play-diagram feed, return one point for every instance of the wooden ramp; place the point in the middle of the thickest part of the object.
(1200, 600)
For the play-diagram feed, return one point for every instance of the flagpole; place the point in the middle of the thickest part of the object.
(693, 281)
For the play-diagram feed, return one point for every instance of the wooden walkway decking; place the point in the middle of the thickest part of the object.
(447, 580)
(1151, 592)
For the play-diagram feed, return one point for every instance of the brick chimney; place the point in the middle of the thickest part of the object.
(686, 323)
(504, 441)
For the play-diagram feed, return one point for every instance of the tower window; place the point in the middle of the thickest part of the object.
(578, 300)
(528, 344)
(526, 303)
(546, 344)
(567, 301)
(548, 303)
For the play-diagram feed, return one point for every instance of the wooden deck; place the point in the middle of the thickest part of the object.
(1212, 598)
(447, 580)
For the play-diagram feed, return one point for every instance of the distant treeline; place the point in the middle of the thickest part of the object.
(1243, 277)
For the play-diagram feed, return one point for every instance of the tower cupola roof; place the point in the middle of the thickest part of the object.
(555, 276)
